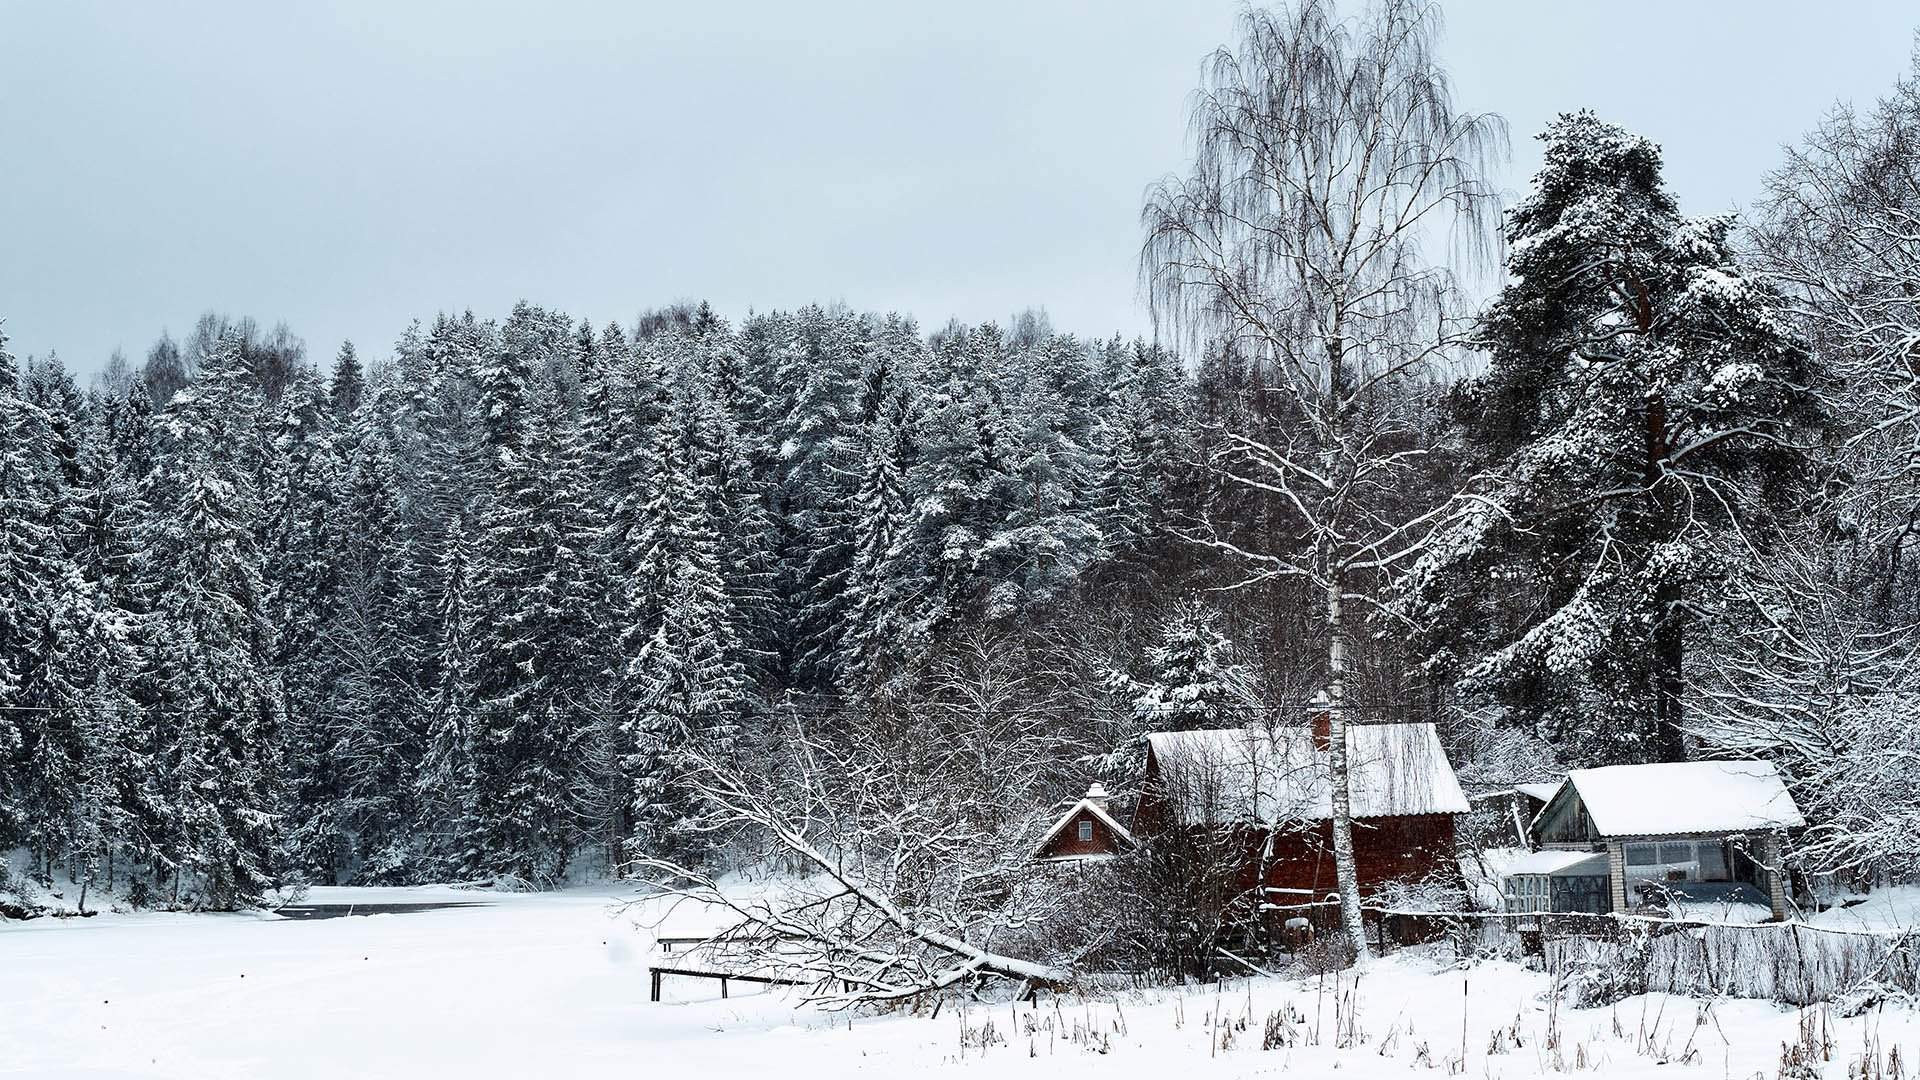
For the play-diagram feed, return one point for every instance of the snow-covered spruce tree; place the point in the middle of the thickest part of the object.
(875, 640)
(120, 464)
(215, 688)
(961, 484)
(302, 536)
(49, 387)
(728, 457)
(817, 381)
(1329, 153)
(524, 723)
(440, 465)
(1124, 490)
(347, 385)
(369, 715)
(870, 642)
(686, 686)
(83, 774)
(1141, 451)
(28, 560)
(445, 792)
(1193, 681)
(624, 394)
(1645, 405)
(1046, 538)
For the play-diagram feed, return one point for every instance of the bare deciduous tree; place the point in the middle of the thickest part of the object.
(1839, 233)
(910, 829)
(1329, 158)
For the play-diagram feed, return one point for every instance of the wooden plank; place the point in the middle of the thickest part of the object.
(726, 979)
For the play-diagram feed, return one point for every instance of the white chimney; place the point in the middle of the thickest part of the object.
(1097, 795)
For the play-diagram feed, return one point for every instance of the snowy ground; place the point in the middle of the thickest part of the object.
(556, 986)
(1894, 909)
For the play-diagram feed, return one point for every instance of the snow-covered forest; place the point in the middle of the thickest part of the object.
(453, 615)
(456, 613)
(533, 597)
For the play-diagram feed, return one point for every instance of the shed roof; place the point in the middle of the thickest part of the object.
(1570, 863)
(1675, 798)
(1242, 775)
(1541, 792)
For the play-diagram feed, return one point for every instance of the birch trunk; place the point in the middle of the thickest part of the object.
(1345, 873)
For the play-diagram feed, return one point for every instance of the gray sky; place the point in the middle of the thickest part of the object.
(351, 166)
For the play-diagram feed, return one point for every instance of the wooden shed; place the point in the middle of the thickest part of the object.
(1087, 831)
(1680, 830)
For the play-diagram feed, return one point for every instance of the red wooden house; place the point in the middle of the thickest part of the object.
(1271, 789)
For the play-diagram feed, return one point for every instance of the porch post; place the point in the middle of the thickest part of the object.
(1617, 874)
(1776, 885)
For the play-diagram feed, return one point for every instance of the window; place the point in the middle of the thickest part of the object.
(1677, 860)
(1528, 892)
(1086, 830)
(1713, 861)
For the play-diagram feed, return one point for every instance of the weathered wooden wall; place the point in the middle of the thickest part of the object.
(1384, 849)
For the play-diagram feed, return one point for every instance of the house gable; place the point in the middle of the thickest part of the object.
(1564, 821)
(1085, 831)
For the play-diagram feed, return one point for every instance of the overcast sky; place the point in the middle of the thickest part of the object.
(353, 166)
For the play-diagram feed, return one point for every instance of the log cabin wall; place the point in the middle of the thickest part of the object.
(1066, 844)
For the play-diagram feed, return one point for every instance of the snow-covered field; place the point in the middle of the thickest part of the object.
(556, 986)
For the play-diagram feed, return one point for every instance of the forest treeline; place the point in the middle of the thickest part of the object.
(464, 612)
(447, 618)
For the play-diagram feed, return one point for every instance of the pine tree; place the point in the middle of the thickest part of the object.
(1645, 403)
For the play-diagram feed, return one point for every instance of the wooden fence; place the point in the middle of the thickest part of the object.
(1612, 956)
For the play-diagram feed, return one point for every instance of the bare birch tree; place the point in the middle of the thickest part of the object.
(1329, 158)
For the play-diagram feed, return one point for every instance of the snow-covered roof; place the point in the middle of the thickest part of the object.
(1543, 792)
(1684, 797)
(1559, 862)
(1251, 775)
(1094, 803)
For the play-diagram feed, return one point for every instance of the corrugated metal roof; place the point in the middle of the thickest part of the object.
(1570, 863)
(1685, 797)
(1250, 775)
